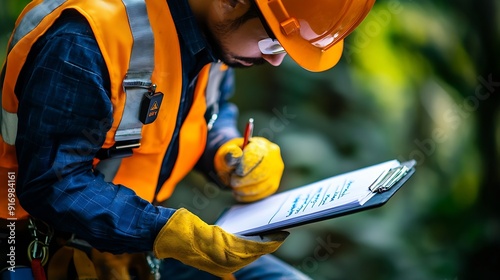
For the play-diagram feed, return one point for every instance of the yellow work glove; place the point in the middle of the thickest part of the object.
(253, 173)
(187, 238)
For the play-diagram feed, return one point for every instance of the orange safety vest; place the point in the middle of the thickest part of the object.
(110, 24)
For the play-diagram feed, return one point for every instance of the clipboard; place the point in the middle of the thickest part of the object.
(384, 187)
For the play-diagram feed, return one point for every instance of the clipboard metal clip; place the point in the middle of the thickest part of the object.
(388, 178)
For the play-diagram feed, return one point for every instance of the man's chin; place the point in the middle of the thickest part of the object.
(243, 62)
(236, 64)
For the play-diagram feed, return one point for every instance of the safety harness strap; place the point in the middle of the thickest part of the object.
(136, 83)
(217, 71)
(138, 79)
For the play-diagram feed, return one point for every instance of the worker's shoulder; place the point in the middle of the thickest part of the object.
(70, 24)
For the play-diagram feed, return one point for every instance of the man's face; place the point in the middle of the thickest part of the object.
(237, 45)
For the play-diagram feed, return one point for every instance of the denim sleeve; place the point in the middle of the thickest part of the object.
(64, 113)
(224, 128)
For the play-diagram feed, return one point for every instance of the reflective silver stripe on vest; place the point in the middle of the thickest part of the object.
(33, 18)
(9, 127)
(8, 121)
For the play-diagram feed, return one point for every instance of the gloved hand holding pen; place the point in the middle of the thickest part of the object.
(253, 171)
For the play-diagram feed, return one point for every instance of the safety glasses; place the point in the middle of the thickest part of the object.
(270, 46)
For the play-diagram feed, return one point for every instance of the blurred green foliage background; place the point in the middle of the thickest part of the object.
(418, 80)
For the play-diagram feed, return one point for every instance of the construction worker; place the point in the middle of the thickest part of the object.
(107, 105)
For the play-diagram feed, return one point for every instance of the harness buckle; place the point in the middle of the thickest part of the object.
(121, 149)
(39, 246)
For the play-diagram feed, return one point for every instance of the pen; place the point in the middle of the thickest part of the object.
(248, 133)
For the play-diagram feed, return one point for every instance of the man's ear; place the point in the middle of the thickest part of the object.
(235, 7)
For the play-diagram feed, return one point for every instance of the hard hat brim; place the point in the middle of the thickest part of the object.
(312, 58)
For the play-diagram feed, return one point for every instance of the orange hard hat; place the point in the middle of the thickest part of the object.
(312, 32)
